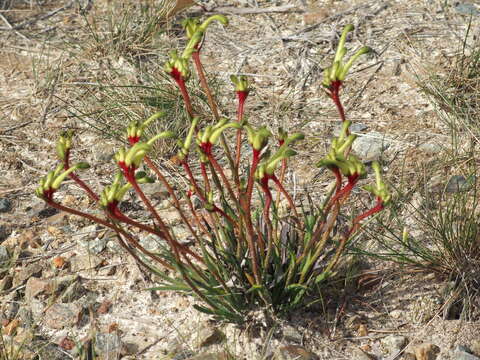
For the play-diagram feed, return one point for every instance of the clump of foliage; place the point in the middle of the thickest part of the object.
(442, 236)
(246, 256)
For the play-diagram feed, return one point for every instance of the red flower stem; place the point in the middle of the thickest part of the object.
(186, 98)
(194, 183)
(201, 194)
(241, 96)
(205, 177)
(175, 245)
(329, 222)
(286, 194)
(164, 181)
(355, 226)
(213, 107)
(378, 207)
(341, 193)
(338, 177)
(251, 177)
(327, 229)
(74, 177)
(220, 171)
(204, 83)
(108, 225)
(335, 95)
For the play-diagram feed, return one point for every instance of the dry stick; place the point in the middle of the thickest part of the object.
(245, 11)
(41, 17)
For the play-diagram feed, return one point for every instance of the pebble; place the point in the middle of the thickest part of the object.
(354, 128)
(5, 231)
(458, 183)
(426, 351)
(359, 354)
(370, 146)
(108, 345)
(467, 9)
(430, 148)
(152, 243)
(464, 353)
(393, 344)
(211, 356)
(26, 273)
(4, 256)
(292, 334)
(5, 205)
(293, 352)
(209, 335)
(84, 262)
(60, 316)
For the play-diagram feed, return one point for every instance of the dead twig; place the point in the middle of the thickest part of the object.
(245, 11)
(39, 17)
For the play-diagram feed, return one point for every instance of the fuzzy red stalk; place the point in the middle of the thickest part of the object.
(78, 181)
(242, 97)
(177, 76)
(334, 93)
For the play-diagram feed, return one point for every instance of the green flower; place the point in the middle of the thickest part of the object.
(338, 71)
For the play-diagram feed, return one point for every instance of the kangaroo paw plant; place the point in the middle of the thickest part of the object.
(247, 254)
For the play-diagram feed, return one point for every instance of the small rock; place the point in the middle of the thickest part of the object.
(354, 128)
(152, 243)
(35, 287)
(59, 316)
(84, 262)
(393, 344)
(292, 334)
(463, 353)
(155, 190)
(293, 352)
(396, 314)
(6, 283)
(209, 335)
(71, 289)
(362, 330)
(4, 256)
(25, 273)
(370, 146)
(37, 307)
(91, 242)
(5, 205)
(5, 231)
(108, 345)
(103, 152)
(211, 356)
(358, 354)
(25, 316)
(430, 148)
(467, 9)
(458, 183)
(52, 352)
(184, 355)
(475, 347)
(426, 351)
